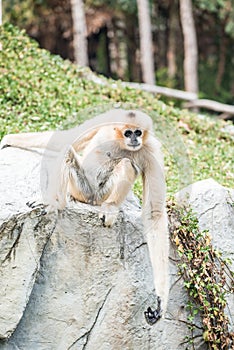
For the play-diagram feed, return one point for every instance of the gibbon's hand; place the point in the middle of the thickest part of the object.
(5, 142)
(108, 214)
(152, 316)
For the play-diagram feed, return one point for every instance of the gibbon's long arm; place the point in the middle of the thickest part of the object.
(52, 140)
(155, 219)
(29, 140)
(58, 139)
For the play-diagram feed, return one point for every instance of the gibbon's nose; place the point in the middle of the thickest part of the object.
(134, 139)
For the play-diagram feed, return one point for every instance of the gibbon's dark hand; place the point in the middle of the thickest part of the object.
(152, 316)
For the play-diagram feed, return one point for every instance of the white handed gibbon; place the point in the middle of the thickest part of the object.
(98, 164)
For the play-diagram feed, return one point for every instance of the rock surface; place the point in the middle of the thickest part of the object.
(69, 283)
(213, 205)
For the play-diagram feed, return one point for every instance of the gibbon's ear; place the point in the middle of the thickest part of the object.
(155, 219)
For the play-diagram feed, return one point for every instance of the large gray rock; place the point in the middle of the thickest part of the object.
(23, 235)
(23, 239)
(213, 205)
(69, 283)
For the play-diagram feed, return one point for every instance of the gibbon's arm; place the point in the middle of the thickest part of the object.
(27, 140)
(57, 140)
(52, 140)
(155, 218)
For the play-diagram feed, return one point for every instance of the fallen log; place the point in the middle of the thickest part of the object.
(161, 90)
(191, 97)
(210, 104)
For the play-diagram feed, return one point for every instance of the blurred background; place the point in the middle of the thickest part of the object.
(181, 44)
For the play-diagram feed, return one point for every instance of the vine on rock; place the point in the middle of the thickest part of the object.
(207, 277)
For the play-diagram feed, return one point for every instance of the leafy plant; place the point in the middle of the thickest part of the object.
(207, 278)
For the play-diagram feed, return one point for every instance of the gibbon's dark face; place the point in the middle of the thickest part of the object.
(132, 139)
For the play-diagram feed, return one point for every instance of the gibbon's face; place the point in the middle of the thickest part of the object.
(132, 138)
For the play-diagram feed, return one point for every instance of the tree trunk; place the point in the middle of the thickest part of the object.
(134, 70)
(190, 46)
(115, 50)
(79, 32)
(146, 47)
(172, 39)
(0, 21)
(222, 58)
(0, 12)
(106, 45)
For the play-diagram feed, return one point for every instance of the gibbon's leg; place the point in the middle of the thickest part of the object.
(70, 179)
(120, 182)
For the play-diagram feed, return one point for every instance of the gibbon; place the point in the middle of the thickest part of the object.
(98, 164)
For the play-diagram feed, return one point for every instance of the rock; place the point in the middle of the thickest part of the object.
(22, 241)
(91, 289)
(214, 206)
(23, 232)
(69, 283)
(18, 175)
(228, 129)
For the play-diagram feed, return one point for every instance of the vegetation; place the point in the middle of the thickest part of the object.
(39, 91)
(207, 278)
(113, 31)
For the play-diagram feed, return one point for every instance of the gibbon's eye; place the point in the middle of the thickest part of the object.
(138, 132)
(128, 133)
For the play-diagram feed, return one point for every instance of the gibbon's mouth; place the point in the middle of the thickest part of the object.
(134, 146)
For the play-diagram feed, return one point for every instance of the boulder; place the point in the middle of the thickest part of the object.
(213, 205)
(24, 233)
(67, 282)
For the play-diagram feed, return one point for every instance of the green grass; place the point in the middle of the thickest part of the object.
(39, 91)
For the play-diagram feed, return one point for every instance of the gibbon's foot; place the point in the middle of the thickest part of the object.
(152, 316)
(35, 204)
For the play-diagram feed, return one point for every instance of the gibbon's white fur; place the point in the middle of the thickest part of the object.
(98, 164)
